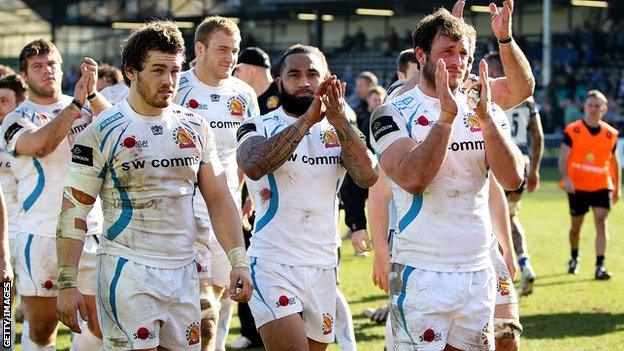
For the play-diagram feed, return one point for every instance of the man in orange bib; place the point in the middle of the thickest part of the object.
(588, 155)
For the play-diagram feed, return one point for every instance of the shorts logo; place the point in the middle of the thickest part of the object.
(472, 123)
(330, 139)
(156, 130)
(11, 131)
(383, 125)
(215, 97)
(328, 323)
(284, 301)
(430, 335)
(144, 334)
(236, 106)
(486, 334)
(184, 138)
(82, 155)
(272, 102)
(192, 333)
(48, 285)
(503, 286)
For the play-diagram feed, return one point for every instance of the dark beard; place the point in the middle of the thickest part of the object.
(293, 104)
(429, 71)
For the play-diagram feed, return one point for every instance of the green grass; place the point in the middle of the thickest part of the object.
(564, 313)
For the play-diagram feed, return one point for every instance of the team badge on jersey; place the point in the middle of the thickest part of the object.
(423, 121)
(215, 97)
(330, 139)
(156, 130)
(471, 122)
(272, 102)
(328, 323)
(184, 138)
(193, 334)
(503, 286)
(590, 157)
(236, 106)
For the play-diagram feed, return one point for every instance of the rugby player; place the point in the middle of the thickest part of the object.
(224, 101)
(290, 154)
(525, 123)
(588, 156)
(442, 41)
(143, 159)
(13, 91)
(39, 135)
(111, 84)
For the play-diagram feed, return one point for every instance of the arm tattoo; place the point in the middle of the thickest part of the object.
(354, 156)
(269, 154)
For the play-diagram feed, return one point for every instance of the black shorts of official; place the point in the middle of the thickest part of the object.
(581, 201)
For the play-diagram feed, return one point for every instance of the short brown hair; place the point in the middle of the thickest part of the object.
(442, 22)
(595, 93)
(5, 71)
(369, 77)
(36, 48)
(110, 73)
(15, 83)
(159, 35)
(379, 90)
(404, 59)
(213, 24)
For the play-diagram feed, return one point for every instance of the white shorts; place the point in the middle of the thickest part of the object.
(212, 259)
(142, 307)
(36, 265)
(432, 309)
(505, 290)
(281, 290)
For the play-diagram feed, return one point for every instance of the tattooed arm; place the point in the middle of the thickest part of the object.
(354, 155)
(258, 155)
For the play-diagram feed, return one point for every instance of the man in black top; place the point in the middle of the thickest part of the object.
(254, 68)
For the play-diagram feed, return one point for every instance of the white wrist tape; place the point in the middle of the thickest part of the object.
(238, 257)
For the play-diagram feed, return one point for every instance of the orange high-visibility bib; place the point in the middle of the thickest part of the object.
(589, 165)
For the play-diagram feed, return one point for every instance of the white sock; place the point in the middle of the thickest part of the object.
(29, 345)
(345, 336)
(85, 341)
(223, 326)
(389, 337)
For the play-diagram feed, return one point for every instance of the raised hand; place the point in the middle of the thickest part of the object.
(501, 21)
(334, 101)
(458, 9)
(448, 105)
(316, 111)
(485, 98)
(89, 68)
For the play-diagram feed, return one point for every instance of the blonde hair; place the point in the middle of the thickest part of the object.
(598, 95)
(211, 25)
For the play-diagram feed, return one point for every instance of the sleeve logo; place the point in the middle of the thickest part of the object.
(383, 125)
(11, 131)
(82, 155)
(244, 130)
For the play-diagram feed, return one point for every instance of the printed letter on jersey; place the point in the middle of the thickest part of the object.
(82, 155)
(382, 126)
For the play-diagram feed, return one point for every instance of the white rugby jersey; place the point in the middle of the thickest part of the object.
(144, 168)
(447, 228)
(9, 189)
(296, 204)
(224, 108)
(40, 180)
(519, 118)
(115, 93)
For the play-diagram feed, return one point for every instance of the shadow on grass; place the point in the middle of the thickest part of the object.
(371, 298)
(548, 326)
(562, 282)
